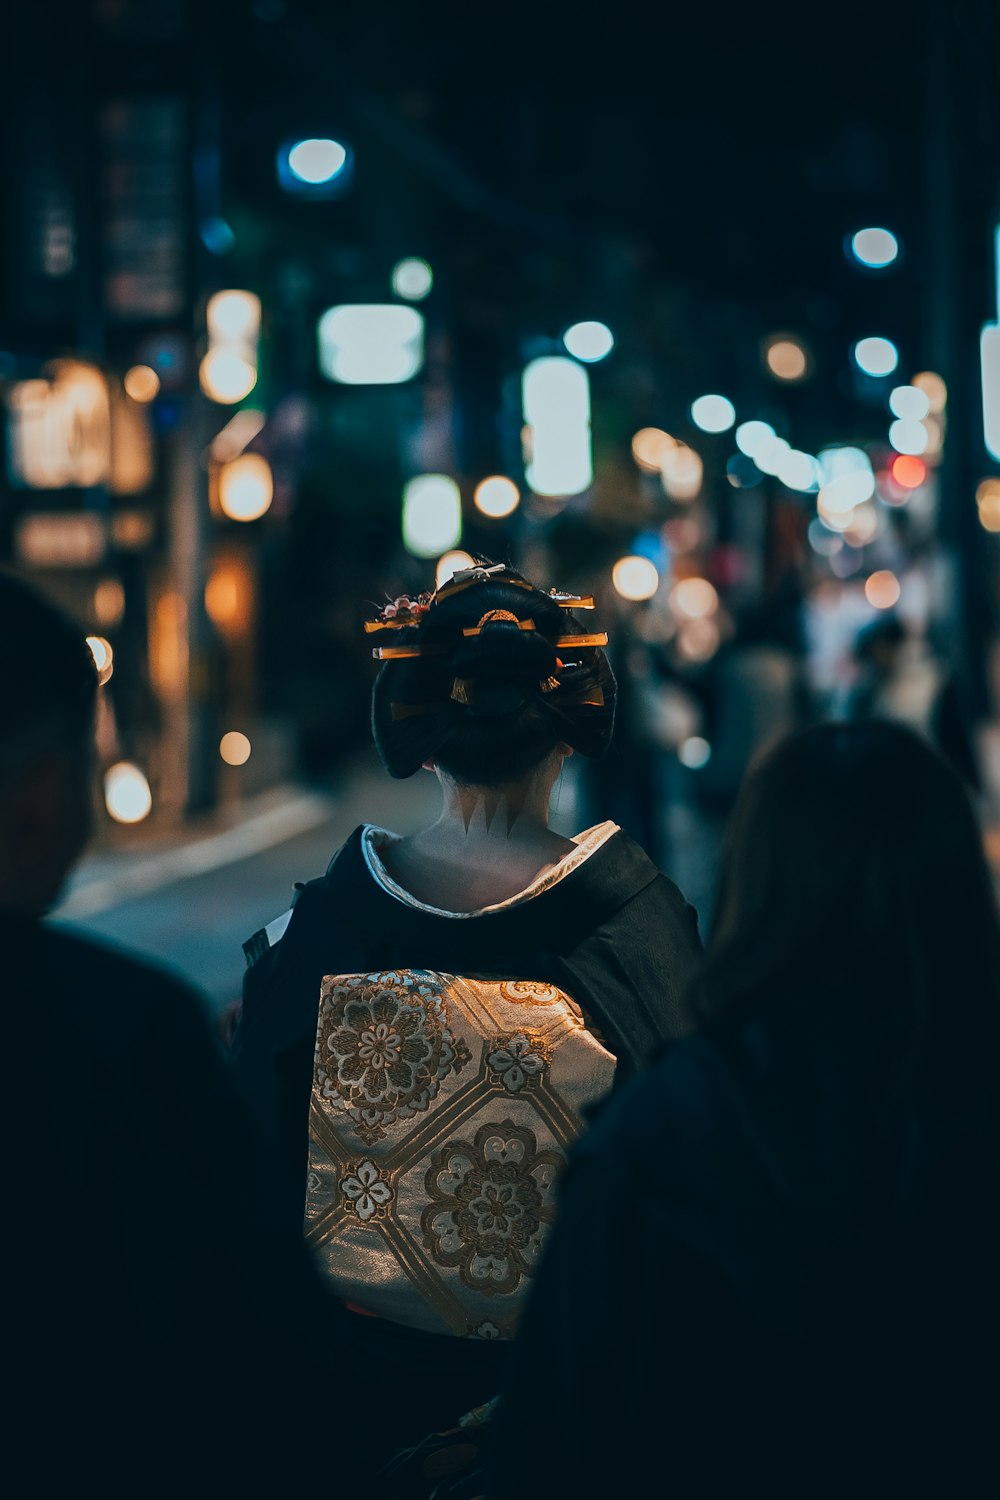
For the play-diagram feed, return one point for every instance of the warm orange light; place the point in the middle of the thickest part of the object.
(246, 487)
(909, 471)
(882, 589)
(141, 383)
(228, 596)
(109, 602)
(694, 598)
(235, 748)
(786, 359)
(104, 657)
(988, 501)
(649, 447)
(933, 388)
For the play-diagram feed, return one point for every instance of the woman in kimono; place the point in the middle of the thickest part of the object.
(424, 1030)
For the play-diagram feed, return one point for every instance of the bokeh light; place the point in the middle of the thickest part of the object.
(412, 278)
(694, 752)
(751, 437)
(589, 341)
(698, 640)
(770, 454)
(694, 598)
(317, 160)
(786, 359)
(450, 563)
(864, 526)
(141, 383)
(235, 748)
(882, 589)
(875, 247)
(910, 438)
(104, 657)
(109, 602)
(713, 413)
(232, 315)
(226, 377)
(649, 445)
(370, 343)
(682, 534)
(934, 389)
(988, 501)
(909, 471)
(555, 401)
(681, 472)
(909, 402)
(432, 515)
(635, 578)
(496, 496)
(127, 796)
(876, 356)
(246, 487)
(798, 470)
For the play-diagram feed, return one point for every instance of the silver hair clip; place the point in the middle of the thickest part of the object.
(473, 575)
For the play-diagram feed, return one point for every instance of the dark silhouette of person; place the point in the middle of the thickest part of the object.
(773, 1266)
(899, 678)
(157, 1329)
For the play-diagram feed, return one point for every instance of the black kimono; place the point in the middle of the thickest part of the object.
(374, 1016)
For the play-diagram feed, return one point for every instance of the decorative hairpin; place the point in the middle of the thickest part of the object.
(571, 601)
(492, 615)
(401, 612)
(598, 638)
(467, 576)
(402, 653)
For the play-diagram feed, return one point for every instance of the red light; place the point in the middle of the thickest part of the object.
(908, 471)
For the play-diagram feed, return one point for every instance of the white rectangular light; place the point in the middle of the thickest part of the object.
(370, 343)
(555, 399)
(989, 349)
(432, 515)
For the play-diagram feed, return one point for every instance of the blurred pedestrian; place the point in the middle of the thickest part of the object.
(901, 678)
(773, 1266)
(423, 1031)
(157, 1330)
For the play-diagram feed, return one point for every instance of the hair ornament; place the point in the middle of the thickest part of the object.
(571, 601)
(492, 615)
(400, 613)
(465, 577)
(598, 638)
(403, 653)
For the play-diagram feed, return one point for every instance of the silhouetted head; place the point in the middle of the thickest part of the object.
(46, 745)
(492, 692)
(856, 899)
(880, 641)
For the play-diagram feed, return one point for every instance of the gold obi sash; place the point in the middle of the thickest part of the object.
(442, 1107)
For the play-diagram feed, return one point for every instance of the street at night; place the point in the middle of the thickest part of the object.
(500, 748)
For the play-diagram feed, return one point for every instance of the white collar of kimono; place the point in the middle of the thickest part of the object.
(374, 839)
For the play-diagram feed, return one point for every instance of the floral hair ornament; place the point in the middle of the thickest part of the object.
(400, 613)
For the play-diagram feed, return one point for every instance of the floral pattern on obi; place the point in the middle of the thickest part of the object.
(491, 1203)
(516, 1060)
(383, 1047)
(366, 1192)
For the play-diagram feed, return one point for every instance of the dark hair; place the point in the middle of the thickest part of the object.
(50, 679)
(485, 706)
(855, 901)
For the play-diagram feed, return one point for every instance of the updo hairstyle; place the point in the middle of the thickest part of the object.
(490, 706)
